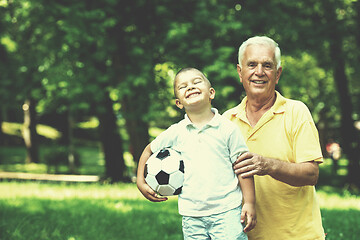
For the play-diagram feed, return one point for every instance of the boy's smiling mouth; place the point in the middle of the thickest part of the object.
(192, 94)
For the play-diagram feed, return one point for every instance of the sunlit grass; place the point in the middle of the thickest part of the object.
(91, 123)
(33, 210)
(84, 211)
(11, 128)
(11, 190)
(15, 129)
(331, 198)
(12, 159)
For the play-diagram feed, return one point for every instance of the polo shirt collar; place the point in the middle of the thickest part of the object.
(214, 122)
(278, 107)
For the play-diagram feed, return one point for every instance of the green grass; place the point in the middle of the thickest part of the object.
(15, 129)
(31, 210)
(13, 160)
(340, 211)
(78, 211)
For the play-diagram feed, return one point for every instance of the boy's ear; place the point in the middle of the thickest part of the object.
(212, 93)
(178, 104)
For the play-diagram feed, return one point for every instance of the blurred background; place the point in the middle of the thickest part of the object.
(85, 85)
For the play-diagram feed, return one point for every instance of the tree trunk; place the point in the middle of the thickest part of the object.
(134, 106)
(138, 129)
(139, 136)
(29, 131)
(357, 21)
(349, 137)
(111, 143)
(2, 135)
(71, 149)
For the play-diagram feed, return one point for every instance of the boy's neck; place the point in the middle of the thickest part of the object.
(200, 117)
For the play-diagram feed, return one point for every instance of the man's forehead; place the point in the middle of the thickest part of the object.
(259, 53)
(263, 59)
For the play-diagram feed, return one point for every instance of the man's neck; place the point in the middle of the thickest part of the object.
(256, 107)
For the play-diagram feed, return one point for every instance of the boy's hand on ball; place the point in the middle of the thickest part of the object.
(150, 194)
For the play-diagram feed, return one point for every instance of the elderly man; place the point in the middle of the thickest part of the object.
(284, 148)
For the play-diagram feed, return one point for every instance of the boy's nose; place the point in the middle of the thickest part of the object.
(190, 87)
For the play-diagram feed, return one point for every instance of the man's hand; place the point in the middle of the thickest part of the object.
(295, 174)
(249, 164)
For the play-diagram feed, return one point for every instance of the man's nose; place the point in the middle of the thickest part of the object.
(259, 69)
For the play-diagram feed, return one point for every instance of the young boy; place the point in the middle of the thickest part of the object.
(210, 201)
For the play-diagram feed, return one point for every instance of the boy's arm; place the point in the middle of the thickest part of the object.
(140, 179)
(238, 147)
(248, 212)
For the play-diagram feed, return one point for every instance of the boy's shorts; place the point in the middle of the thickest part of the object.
(226, 225)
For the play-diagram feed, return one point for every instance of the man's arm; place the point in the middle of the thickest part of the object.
(294, 174)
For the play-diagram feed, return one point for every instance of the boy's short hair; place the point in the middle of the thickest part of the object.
(189, 69)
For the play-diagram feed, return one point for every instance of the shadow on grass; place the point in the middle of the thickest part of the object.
(341, 224)
(82, 219)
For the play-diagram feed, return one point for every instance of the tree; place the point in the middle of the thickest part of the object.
(324, 29)
(27, 33)
(349, 134)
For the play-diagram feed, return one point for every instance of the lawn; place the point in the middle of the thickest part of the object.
(32, 210)
(38, 211)
(59, 211)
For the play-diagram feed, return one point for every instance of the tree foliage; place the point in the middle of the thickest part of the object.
(116, 60)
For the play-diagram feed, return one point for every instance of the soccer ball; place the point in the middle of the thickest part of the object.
(164, 172)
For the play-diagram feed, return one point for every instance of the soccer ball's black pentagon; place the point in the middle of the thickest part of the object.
(162, 177)
(145, 171)
(163, 154)
(182, 167)
(178, 191)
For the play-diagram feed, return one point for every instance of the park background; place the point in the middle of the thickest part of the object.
(85, 85)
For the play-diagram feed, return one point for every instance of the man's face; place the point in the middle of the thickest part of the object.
(258, 72)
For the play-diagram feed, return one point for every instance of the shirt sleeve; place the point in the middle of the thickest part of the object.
(236, 144)
(165, 139)
(306, 138)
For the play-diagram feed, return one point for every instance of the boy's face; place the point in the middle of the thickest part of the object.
(192, 90)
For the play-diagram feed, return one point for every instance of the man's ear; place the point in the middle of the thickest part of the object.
(238, 68)
(278, 73)
(212, 93)
(178, 104)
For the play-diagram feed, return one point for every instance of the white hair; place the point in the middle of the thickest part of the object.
(260, 40)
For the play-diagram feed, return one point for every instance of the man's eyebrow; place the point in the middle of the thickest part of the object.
(268, 62)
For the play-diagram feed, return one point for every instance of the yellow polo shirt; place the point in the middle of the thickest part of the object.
(286, 132)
